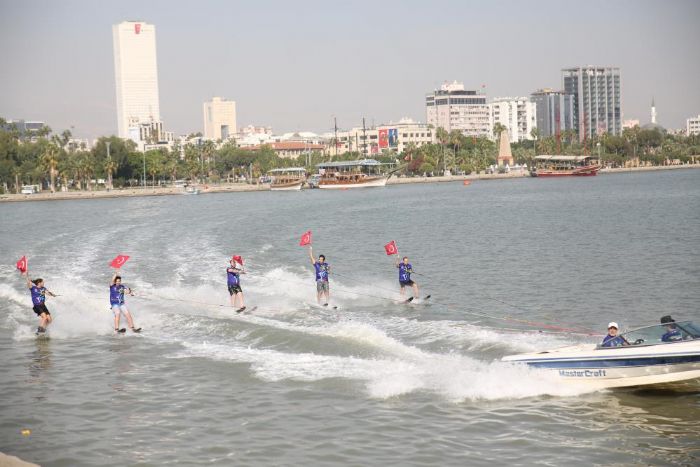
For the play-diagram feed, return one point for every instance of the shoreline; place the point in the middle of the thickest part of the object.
(240, 187)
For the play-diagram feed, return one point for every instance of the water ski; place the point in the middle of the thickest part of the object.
(136, 330)
(120, 331)
(246, 310)
(322, 306)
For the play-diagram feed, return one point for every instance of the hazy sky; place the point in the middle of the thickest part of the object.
(293, 65)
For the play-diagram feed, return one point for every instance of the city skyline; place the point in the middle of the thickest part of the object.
(295, 67)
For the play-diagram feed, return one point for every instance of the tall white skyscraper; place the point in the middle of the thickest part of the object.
(136, 76)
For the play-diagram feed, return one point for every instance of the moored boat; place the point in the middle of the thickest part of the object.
(351, 174)
(565, 166)
(287, 179)
(648, 357)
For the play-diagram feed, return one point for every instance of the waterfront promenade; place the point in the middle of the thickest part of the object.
(245, 187)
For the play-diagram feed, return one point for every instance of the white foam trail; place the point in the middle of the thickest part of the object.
(455, 377)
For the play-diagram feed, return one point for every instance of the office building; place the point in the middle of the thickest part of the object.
(453, 108)
(555, 111)
(136, 76)
(597, 99)
(219, 119)
(517, 114)
(692, 126)
(386, 137)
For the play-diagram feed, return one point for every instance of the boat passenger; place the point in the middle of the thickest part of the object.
(672, 334)
(612, 339)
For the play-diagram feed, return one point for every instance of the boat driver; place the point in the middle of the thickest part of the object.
(612, 339)
(673, 334)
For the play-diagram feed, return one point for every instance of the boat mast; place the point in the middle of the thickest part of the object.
(335, 129)
(364, 138)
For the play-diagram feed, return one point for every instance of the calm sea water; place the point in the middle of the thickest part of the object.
(370, 383)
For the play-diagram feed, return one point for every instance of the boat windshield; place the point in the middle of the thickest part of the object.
(663, 333)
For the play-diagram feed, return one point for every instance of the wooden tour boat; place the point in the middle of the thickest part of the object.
(565, 166)
(351, 174)
(287, 179)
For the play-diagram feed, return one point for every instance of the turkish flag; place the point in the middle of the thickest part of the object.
(238, 259)
(391, 249)
(22, 264)
(305, 239)
(119, 261)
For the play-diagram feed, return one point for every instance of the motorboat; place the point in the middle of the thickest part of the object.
(661, 355)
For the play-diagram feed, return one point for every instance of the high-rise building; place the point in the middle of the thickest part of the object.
(453, 108)
(555, 111)
(517, 114)
(692, 126)
(219, 119)
(136, 76)
(597, 99)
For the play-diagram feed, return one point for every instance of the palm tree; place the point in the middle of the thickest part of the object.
(535, 133)
(86, 168)
(498, 128)
(110, 167)
(50, 160)
(17, 172)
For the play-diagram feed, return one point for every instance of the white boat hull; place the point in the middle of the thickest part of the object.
(619, 366)
(295, 187)
(377, 182)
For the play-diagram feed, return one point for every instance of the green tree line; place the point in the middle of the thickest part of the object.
(47, 159)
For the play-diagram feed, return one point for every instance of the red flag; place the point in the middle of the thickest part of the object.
(22, 264)
(305, 239)
(391, 249)
(119, 261)
(238, 259)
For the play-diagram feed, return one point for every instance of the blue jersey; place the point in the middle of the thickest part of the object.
(672, 336)
(321, 271)
(38, 295)
(234, 276)
(612, 341)
(116, 294)
(405, 271)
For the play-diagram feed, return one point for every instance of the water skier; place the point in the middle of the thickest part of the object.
(322, 269)
(405, 270)
(234, 282)
(38, 291)
(117, 304)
